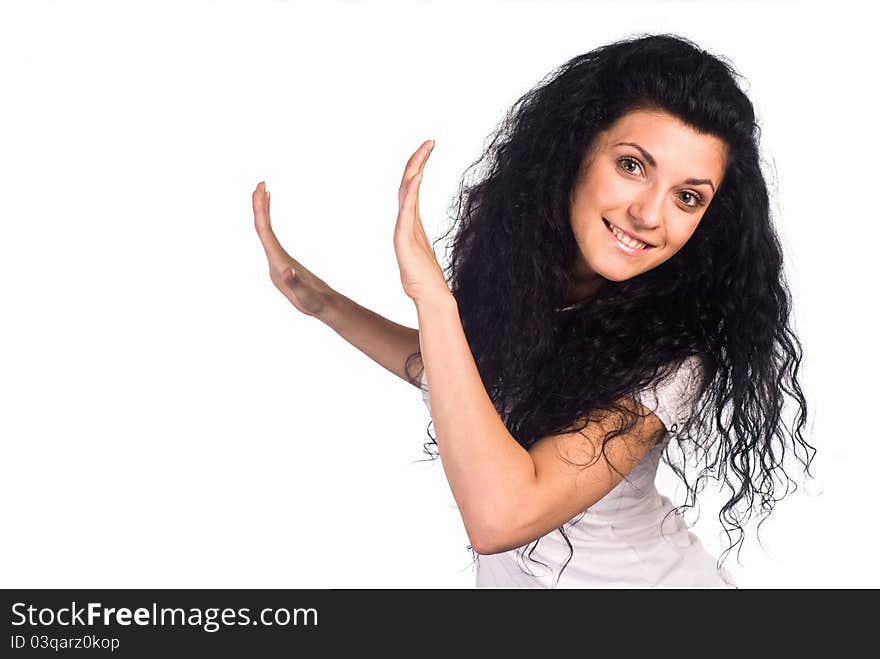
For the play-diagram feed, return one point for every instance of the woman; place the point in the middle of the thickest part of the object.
(615, 295)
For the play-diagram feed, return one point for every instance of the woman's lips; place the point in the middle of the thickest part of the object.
(626, 249)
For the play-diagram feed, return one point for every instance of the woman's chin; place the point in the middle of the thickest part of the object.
(614, 270)
(616, 274)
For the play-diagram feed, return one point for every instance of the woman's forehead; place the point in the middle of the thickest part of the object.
(670, 142)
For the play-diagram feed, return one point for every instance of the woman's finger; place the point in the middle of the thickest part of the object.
(417, 167)
(263, 224)
(415, 161)
(407, 216)
(417, 219)
(415, 164)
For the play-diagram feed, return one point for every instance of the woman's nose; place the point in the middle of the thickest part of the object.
(647, 209)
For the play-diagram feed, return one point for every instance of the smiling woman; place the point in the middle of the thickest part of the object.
(615, 295)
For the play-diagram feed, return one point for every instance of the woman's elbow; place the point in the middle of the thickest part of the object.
(484, 548)
(498, 526)
(492, 540)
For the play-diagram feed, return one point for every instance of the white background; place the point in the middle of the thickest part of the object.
(170, 420)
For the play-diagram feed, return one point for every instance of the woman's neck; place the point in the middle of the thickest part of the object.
(581, 290)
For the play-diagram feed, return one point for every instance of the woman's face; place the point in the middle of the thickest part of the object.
(640, 194)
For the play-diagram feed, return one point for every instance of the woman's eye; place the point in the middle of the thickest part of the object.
(633, 166)
(691, 199)
(630, 165)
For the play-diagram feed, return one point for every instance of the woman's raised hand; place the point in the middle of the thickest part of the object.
(420, 273)
(308, 293)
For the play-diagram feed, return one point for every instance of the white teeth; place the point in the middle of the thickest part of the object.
(626, 240)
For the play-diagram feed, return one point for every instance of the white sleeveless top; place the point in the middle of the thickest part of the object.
(617, 542)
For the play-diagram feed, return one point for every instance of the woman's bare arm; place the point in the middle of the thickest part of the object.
(381, 339)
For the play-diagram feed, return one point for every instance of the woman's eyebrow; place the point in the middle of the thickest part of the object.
(647, 156)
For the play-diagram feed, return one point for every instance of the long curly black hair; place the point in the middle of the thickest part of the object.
(723, 296)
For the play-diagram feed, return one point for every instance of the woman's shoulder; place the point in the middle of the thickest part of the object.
(674, 393)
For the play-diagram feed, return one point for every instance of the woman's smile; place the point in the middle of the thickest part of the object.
(625, 242)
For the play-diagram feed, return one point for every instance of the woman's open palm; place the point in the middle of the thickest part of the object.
(308, 293)
(420, 273)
